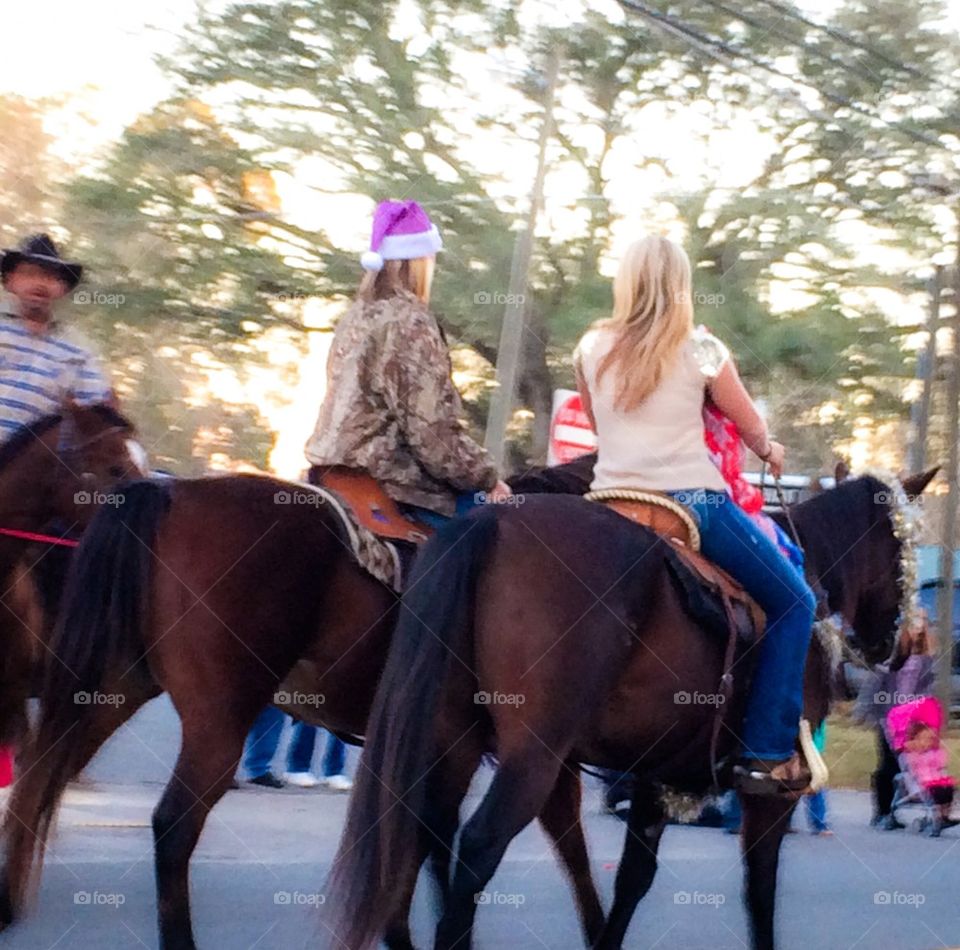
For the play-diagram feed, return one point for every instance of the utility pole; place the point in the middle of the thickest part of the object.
(947, 544)
(511, 333)
(926, 367)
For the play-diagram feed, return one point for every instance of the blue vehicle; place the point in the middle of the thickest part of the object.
(928, 557)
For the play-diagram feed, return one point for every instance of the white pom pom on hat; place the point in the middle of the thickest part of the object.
(371, 260)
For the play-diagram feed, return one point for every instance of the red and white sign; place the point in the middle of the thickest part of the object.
(570, 433)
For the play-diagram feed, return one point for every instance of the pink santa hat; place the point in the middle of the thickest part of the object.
(401, 232)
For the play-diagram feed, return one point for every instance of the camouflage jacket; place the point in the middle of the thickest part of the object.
(391, 407)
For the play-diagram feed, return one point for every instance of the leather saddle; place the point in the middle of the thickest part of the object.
(367, 501)
(712, 596)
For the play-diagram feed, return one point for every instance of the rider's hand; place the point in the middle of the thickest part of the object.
(775, 458)
(500, 492)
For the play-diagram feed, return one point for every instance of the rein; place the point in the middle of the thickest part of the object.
(49, 538)
(34, 536)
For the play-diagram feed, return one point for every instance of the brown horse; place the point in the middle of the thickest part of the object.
(53, 474)
(567, 618)
(211, 590)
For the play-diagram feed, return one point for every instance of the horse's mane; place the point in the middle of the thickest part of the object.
(25, 434)
(571, 478)
(822, 513)
(110, 416)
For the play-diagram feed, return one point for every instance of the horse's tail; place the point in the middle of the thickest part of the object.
(97, 642)
(380, 843)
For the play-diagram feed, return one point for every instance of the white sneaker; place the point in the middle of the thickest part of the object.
(301, 779)
(338, 783)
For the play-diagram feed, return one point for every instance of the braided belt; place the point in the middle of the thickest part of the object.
(652, 498)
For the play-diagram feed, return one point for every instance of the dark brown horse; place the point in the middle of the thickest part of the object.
(213, 591)
(53, 474)
(569, 619)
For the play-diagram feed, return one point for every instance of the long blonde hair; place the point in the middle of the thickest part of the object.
(415, 276)
(652, 317)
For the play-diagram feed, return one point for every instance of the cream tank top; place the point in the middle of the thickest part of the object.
(659, 444)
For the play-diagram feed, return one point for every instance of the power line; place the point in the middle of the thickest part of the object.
(793, 40)
(856, 69)
(710, 45)
(848, 40)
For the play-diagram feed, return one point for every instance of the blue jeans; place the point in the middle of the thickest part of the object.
(264, 738)
(262, 742)
(302, 742)
(731, 539)
(433, 519)
(817, 811)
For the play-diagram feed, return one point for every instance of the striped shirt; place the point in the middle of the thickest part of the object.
(38, 371)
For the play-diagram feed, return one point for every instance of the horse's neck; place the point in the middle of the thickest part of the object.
(28, 484)
(829, 567)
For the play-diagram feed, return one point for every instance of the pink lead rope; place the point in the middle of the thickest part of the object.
(33, 536)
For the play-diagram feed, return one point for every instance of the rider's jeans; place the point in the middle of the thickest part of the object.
(465, 502)
(730, 538)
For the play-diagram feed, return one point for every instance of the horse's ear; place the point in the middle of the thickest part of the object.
(915, 484)
(841, 471)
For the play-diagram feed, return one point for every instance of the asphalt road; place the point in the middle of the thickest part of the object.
(259, 870)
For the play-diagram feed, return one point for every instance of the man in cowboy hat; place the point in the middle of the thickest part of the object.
(42, 363)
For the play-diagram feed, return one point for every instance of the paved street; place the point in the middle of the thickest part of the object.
(259, 871)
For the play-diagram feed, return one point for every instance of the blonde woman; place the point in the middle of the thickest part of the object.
(391, 408)
(643, 376)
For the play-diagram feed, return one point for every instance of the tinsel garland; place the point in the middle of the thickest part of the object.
(905, 523)
(905, 520)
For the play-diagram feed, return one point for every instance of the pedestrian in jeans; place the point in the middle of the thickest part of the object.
(300, 760)
(261, 749)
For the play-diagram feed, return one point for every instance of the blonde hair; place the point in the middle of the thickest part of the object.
(415, 277)
(652, 317)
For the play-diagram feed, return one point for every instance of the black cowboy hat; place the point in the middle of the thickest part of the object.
(40, 249)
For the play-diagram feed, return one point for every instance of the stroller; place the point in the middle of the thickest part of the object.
(901, 720)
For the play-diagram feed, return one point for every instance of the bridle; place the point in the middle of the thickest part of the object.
(828, 632)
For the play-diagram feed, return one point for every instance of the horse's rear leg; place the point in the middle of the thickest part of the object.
(638, 865)
(51, 763)
(560, 819)
(516, 796)
(447, 784)
(213, 737)
(765, 821)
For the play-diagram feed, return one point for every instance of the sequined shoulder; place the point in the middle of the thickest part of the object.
(709, 353)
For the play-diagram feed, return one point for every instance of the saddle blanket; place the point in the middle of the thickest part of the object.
(374, 554)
